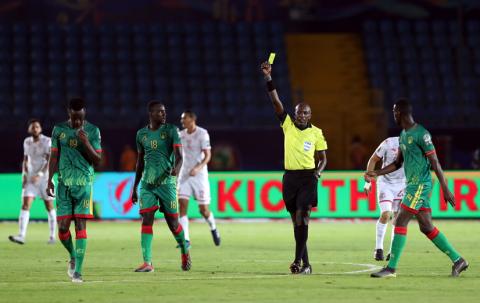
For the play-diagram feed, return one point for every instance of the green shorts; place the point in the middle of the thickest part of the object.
(163, 197)
(74, 201)
(417, 198)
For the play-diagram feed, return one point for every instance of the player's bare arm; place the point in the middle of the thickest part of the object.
(320, 162)
(138, 175)
(207, 155)
(24, 171)
(178, 160)
(267, 73)
(372, 163)
(395, 165)
(447, 194)
(52, 168)
(93, 156)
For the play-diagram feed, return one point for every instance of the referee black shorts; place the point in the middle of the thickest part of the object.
(300, 189)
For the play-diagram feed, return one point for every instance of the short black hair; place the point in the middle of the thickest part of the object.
(76, 104)
(191, 114)
(403, 106)
(34, 120)
(153, 103)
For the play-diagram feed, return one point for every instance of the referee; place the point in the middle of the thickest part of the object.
(305, 160)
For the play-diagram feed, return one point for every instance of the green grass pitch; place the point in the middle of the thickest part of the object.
(250, 266)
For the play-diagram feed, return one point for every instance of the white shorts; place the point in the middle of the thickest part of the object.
(197, 186)
(389, 196)
(35, 190)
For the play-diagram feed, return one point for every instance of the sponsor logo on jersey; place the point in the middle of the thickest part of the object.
(428, 139)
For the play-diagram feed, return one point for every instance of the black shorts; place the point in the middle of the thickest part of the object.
(300, 189)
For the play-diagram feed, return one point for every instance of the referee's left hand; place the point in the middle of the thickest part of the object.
(317, 174)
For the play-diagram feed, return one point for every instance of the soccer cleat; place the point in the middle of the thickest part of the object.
(386, 272)
(188, 245)
(459, 266)
(17, 239)
(186, 262)
(388, 257)
(378, 255)
(145, 267)
(306, 270)
(295, 268)
(77, 278)
(51, 241)
(71, 267)
(216, 237)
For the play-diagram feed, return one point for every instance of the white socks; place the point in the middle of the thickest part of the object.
(381, 229)
(391, 239)
(184, 222)
(211, 221)
(52, 223)
(23, 222)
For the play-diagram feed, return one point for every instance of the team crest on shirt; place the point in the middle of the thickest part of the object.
(62, 136)
(144, 138)
(410, 140)
(382, 196)
(163, 135)
(307, 145)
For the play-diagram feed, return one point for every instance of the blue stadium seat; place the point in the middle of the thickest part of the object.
(421, 26)
(386, 27)
(404, 27)
(422, 40)
(369, 27)
(89, 56)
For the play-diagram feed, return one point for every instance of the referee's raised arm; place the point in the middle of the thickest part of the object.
(272, 92)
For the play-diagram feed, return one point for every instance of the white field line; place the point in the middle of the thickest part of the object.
(219, 276)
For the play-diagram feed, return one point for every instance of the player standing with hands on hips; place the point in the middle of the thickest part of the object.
(305, 160)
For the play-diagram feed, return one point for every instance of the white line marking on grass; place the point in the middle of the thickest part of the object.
(218, 276)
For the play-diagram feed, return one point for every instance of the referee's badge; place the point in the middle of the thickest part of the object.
(307, 146)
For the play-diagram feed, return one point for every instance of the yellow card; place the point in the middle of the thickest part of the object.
(271, 58)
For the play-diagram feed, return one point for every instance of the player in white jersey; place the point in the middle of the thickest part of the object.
(193, 178)
(36, 153)
(390, 190)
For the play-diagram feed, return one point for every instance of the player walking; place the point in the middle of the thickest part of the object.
(390, 190)
(36, 154)
(158, 163)
(417, 153)
(193, 180)
(76, 149)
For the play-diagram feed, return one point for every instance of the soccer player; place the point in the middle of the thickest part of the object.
(390, 190)
(36, 153)
(158, 163)
(193, 179)
(75, 150)
(417, 153)
(305, 160)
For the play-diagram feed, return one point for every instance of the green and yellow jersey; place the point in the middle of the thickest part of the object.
(159, 158)
(416, 144)
(73, 167)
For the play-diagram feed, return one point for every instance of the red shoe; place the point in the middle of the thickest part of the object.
(145, 267)
(186, 262)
